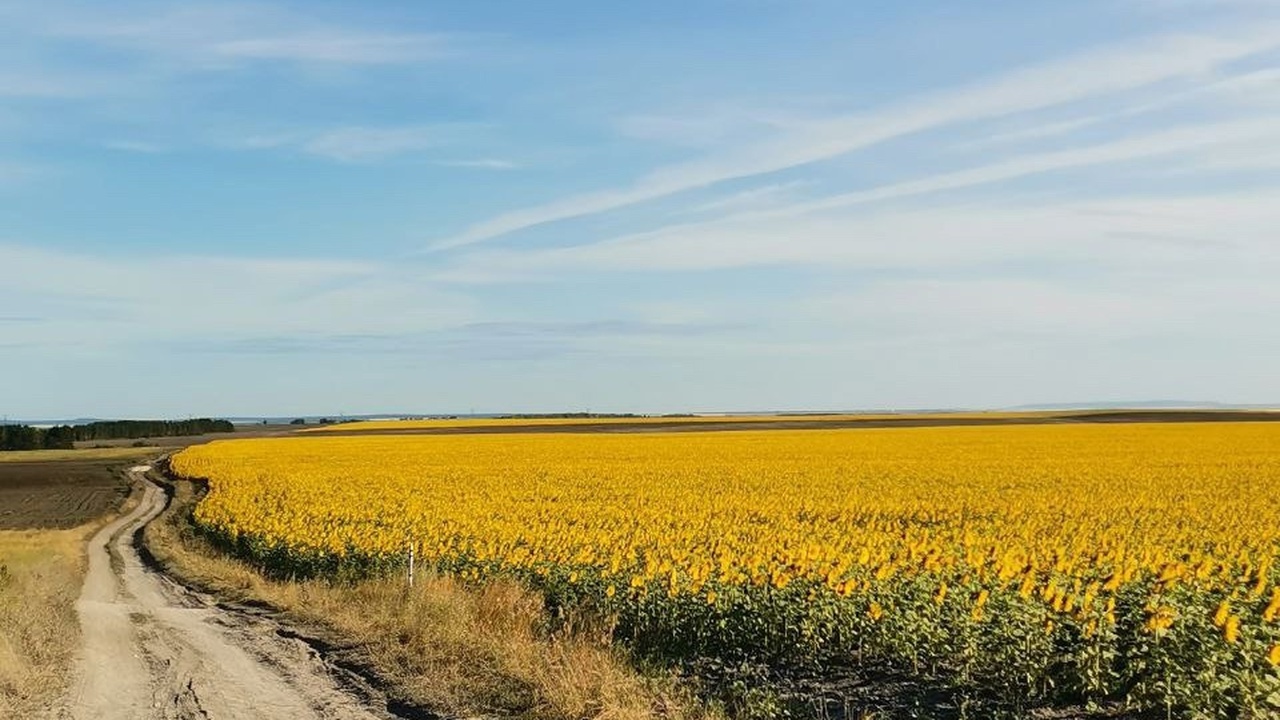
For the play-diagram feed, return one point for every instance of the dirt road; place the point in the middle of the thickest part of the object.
(153, 650)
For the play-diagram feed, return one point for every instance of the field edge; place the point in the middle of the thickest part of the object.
(42, 632)
(491, 644)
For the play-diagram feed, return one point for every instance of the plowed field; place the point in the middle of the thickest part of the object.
(61, 494)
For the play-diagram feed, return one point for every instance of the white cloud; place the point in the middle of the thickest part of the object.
(108, 302)
(1038, 131)
(1184, 234)
(1251, 134)
(1233, 159)
(753, 198)
(335, 47)
(992, 306)
(824, 231)
(1166, 5)
(1250, 90)
(210, 35)
(1089, 75)
(708, 126)
(359, 144)
(356, 144)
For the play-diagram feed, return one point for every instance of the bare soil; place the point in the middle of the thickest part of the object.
(61, 494)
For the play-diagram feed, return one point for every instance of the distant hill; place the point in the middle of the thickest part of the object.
(51, 423)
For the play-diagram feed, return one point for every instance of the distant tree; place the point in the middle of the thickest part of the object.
(25, 437)
(133, 429)
(61, 437)
(298, 421)
(19, 437)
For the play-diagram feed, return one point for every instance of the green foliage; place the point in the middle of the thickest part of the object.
(1003, 656)
(135, 429)
(64, 437)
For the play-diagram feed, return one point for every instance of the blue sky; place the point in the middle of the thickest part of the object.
(323, 207)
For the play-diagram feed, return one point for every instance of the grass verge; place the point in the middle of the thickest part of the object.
(41, 573)
(87, 454)
(40, 576)
(456, 649)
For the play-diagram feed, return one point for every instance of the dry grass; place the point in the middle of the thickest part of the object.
(105, 453)
(40, 576)
(41, 573)
(459, 650)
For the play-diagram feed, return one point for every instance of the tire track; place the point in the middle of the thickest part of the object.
(153, 650)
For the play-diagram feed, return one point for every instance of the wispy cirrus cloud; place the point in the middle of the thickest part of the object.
(365, 144)
(333, 46)
(212, 35)
(1185, 234)
(481, 164)
(825, 230)
(1093, 74)
(1253, 134)
(130, 69)
(492, 340)
(587, 329)
(108, 302)
(753, 198)
(1245, 90)
(886, 223)
(357, 144)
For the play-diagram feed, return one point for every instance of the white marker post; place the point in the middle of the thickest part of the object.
(411, 553)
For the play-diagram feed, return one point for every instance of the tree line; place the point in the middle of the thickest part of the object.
(61, 437)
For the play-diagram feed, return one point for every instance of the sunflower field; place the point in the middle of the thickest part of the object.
(1015, 567)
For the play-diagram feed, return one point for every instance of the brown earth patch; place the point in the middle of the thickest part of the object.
(58, 495)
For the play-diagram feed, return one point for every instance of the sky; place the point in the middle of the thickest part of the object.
(321, 207)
